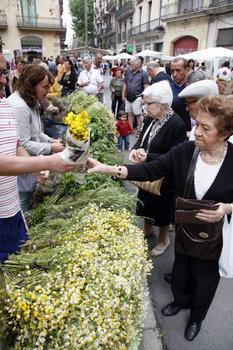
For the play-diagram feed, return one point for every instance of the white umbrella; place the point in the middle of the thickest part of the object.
(149, 53)
(108, 58)
(122, 56)
(167, 58)
(211, 54)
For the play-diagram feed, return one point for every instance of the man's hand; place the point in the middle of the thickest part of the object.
(57, 164)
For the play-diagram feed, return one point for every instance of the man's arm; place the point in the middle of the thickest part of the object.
(21, 152)
(100, 81)
(145, 80)
(80, 81)
(123, 92)
(14, 165)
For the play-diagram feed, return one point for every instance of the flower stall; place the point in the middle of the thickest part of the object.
(80, 280)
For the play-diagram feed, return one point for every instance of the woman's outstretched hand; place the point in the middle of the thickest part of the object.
(94, 166)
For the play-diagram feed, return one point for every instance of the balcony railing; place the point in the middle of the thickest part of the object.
(3, 20)
(111, 5)
(181, 8)
(145, 28)
(124, 11)
(220, 6)
(40, 23)
(109, 30)
(220, 2)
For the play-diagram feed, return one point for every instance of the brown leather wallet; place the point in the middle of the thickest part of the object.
(186, 209)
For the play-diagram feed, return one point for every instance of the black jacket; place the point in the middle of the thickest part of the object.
(176, 163)
(159, 77)
(160, 208)
(71, 82)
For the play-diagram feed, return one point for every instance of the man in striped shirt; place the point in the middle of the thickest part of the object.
(12, 227)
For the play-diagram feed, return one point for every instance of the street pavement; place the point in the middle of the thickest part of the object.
(217, 328)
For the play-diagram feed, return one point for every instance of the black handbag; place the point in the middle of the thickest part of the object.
(186, 209)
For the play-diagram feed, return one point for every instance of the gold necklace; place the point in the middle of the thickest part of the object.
(218, 158)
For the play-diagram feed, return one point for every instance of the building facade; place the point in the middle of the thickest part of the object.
(172, 26)
(128, 25)
(147, 31)
(32, 27)
(196, 24)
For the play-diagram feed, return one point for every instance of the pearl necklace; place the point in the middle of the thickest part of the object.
(218, 157)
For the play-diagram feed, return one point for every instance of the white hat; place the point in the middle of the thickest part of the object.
(200, 89)
(160, 92)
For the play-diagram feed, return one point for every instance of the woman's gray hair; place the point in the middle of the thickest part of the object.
(160, 93)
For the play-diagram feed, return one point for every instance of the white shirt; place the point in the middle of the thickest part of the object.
(204, 176)
(92, 77)
(224, 73)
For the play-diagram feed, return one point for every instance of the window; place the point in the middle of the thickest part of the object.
(158, 47)
(149, 10)
(138, 48)
(140, 15)
(28, 8)
(225, 37)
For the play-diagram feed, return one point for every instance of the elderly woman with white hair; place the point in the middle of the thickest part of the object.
(162, 130)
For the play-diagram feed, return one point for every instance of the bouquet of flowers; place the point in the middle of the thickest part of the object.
(77, 142)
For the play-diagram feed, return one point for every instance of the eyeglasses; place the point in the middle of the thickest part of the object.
(149, 103)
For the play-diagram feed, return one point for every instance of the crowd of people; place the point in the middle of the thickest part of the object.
(164, 107)
(180, 104)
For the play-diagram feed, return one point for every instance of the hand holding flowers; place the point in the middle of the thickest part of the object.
(77, 142)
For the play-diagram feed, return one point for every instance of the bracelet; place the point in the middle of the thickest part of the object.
(119, 169)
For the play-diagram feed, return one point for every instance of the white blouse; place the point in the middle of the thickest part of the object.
(204, 176)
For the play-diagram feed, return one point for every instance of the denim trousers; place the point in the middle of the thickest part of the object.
(123, 140)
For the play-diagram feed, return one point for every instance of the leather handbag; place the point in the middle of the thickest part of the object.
(150, 186)
(186, 209)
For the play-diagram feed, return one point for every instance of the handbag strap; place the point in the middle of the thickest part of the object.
(189, 179)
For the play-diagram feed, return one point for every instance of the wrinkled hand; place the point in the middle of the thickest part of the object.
(137, 156)
(133, 156)
(42, 176)
(94, 166)
(212, 215)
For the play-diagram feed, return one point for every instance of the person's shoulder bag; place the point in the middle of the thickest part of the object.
(186, 209)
